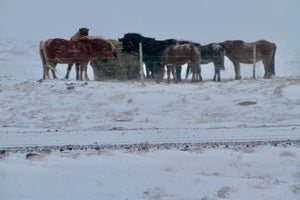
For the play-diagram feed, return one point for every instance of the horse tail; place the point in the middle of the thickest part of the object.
(272, 63)
(43, 58)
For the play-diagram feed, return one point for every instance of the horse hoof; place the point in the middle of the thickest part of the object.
(267, 76)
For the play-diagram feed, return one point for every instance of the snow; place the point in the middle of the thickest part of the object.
(253, 173)
(122, 140)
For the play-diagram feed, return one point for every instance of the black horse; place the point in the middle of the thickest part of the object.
(152, 50)
(213, 52)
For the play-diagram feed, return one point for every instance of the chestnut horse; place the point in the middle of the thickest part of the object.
(54, 51)
(79, 34)
(240, 52)
(175, 55)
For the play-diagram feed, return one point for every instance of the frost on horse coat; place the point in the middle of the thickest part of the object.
(239, 51)
(57, 50)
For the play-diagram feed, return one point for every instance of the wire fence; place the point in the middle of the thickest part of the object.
(21, 59)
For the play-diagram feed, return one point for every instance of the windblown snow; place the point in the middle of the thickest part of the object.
(67, 139)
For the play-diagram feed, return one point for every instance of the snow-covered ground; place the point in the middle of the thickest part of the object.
(121, 140)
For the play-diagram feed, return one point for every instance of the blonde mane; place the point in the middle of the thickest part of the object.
(98, 38)
(92, 37)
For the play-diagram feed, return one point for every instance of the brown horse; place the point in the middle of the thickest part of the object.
(175, 55)
(79, 34)
(240, 52)
(57, 50)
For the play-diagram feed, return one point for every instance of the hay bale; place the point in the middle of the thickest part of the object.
(122, 67)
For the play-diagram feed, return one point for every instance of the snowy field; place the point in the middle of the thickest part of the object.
(68, 139)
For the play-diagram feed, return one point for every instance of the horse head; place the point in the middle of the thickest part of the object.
(217, 52)
(131, 42)
(84, 32)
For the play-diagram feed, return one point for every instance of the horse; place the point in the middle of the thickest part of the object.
(212, 52)
(79, 34)
(178, 55)
(239, 51)
(58, 50)
(152, 50)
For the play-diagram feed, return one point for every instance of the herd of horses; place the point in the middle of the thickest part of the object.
(157, 54)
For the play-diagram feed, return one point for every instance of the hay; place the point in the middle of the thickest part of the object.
(123, 67)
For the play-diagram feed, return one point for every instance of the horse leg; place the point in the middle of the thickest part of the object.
(44, 62)
(237, 69)
(199, 71)
(267, 69)
(187, 71)
(77, 70)
(193, 77)
(85, 73)
(214, 78)
(159, 74)
(178, 72)
(68, 71)
(53, 74)
(168, 74)
(52, 67)
(174, 74)
(195, 73)
(149, 71)
(152, 72)
(80, 72)
(217, 75)
(192, 67)
(46, 72)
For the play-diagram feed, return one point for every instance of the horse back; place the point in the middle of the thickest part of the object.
(266, 47)
(181, 54)
(62, 51)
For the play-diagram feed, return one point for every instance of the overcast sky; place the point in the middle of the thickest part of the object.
(201, 21)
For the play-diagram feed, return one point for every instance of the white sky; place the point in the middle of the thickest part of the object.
(201, 21)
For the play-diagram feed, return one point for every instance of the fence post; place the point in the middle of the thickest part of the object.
(141, 63)
(254, 59)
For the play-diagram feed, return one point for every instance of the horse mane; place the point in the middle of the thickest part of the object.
(234, 42)
(90, 38)
(138, 35)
